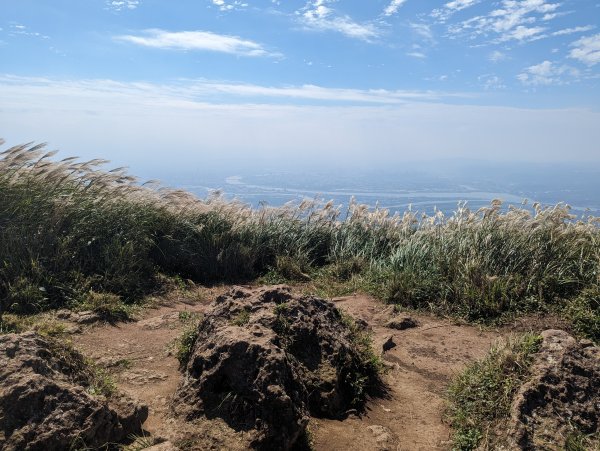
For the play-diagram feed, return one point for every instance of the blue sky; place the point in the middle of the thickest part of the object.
(386, 79)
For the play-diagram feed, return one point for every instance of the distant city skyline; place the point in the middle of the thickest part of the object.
(195, 82)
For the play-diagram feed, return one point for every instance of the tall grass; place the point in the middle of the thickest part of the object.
(70, 227)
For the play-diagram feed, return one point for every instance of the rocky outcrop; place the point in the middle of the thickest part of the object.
(265, 359)
(562, 396)
(45, 400)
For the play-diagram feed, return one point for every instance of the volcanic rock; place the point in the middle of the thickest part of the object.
(45, 400)
(265, 359)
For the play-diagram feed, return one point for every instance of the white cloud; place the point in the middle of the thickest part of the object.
(198, 91)
(496, 56)
(491, 82)
(317, 15)
(419, 55)
(231, 5)
(312, 92)
(548, 73)
(163, 125)
(444, 13)
(16, 29)
(513, 20)
(197, 40)
(119, 5)
(393, 7)
(566, 31)
(586, 50)
(423, 30)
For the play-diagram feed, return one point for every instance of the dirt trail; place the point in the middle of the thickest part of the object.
(138, 355)
(421, 365)
(409, 417)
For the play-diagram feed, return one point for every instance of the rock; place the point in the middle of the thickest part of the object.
(265, 359)
(401, 323)
(381, 433)
(86, 317)
(562, 393)
(45, 404)
(389, 344)
(64, 314)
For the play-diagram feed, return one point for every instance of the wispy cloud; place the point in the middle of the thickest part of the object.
(548, 73)
(491, 82)
(118, 5)
(450, 8)
(423, 31)
(313, 92)
(496, 56)
(197, 40)
(174, 125)
(224, 5)
(191, 91)
(316, 15)
(393, 7)
(17, 29)
(514, 20)
(587, 50)
(573, 30)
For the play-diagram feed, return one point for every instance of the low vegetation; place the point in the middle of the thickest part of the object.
(184, 345)
(480, 397)
(72, 234)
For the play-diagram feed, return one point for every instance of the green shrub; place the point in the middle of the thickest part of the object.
(364, 366)
(584, 311)
(481, 395)
(184, 344)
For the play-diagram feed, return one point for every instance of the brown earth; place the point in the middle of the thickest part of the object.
(409, 417)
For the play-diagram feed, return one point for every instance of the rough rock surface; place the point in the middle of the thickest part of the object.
(264, 359)
(563, 393)
(44, 404)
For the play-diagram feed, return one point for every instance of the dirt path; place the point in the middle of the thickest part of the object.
(408, 418)
(138, 355)
(421, 365)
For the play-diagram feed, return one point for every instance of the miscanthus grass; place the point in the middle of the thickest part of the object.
(71, 228)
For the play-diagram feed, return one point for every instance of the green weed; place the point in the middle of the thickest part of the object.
(481, 395)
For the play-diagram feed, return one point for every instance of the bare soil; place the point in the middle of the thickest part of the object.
(408, 417)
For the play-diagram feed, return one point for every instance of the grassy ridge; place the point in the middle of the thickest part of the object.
(69, 229)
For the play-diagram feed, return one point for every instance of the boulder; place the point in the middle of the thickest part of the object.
(265, 359)
(45, 401)
(561, 397)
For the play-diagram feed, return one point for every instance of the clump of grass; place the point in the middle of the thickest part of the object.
(139, 442)
(578, 441)
(585, 313)
(82, 370)
(44, 324)
(364, 365)
(480, 397)
(184, 344)
(108, 305)
(241, 319)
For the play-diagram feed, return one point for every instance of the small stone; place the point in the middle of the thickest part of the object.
(401, 323)
(381, 433)
(585, 343)
(389, 344)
